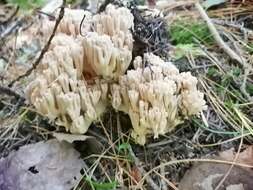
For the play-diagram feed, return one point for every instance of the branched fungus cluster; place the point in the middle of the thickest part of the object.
(81, 75)
(156, 97)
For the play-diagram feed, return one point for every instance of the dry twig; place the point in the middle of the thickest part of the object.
(11, 28)
(149, 180)
(45, 48)
(164, 185)
(10, 92)
(217, 37)
(231, 167)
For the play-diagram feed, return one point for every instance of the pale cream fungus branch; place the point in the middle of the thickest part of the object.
(106, 39)
(60, 92)
(156, 97)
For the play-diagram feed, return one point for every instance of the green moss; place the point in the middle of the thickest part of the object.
(27, 4)
(182, 50)
(249, 48)
(187, 32)
(140, 2)
(101, 186)
(249, 88)
(213, 72)
(225, 81)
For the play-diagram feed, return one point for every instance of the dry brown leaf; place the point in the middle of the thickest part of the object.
(206, 176)
(136, 175)
(44, 165)
(244, 157)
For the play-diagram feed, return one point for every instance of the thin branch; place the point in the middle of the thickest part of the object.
(217, 37)
(169, 184)
(234, 25)
(232, 166)
(244, 82)
(12, 27)
(10, 92)
(164, 185)
(80, 26)
(149, 180)
(45, 48)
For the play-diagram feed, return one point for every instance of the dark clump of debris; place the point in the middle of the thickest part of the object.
(150, 33)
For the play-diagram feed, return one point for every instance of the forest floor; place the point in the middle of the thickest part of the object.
(211, 39)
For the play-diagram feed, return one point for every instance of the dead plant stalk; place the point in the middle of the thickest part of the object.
(217, 36)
